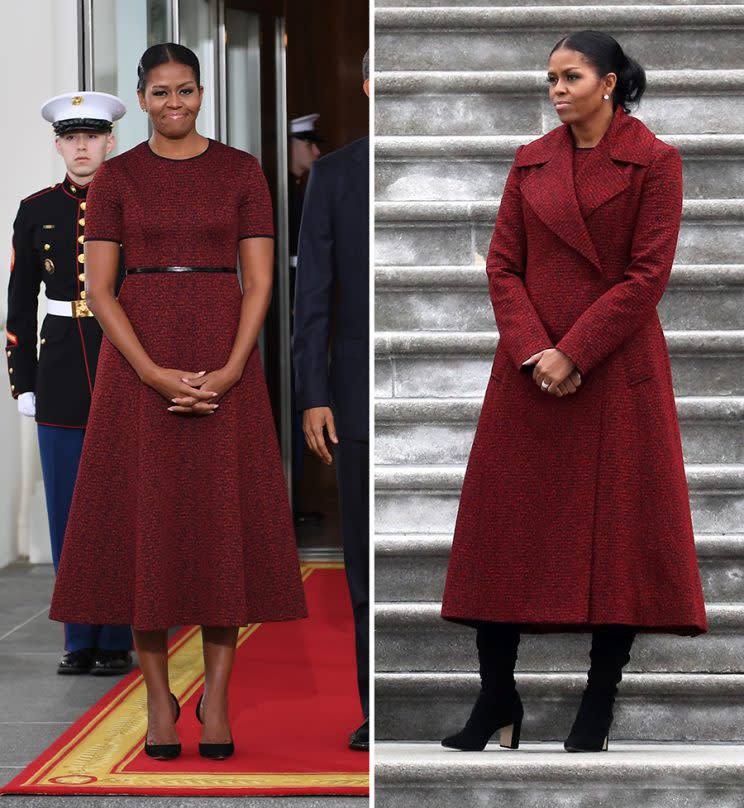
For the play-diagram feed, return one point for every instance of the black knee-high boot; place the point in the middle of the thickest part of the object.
(609, 654)
(498, 706)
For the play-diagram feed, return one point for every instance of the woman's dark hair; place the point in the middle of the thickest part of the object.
(606, 56)
(157, 55)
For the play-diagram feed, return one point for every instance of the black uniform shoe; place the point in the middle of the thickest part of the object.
(359, 739)
(75, 663)
(111, 663)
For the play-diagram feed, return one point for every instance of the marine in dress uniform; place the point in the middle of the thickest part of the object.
(55, 385)
(303, 152)
(333, 285)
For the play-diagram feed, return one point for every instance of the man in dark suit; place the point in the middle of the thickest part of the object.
(333, 282)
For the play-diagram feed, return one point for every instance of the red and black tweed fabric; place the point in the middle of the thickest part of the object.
(179, 520)
(575, 510)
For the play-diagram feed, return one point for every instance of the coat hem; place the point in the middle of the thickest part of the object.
(682, 629)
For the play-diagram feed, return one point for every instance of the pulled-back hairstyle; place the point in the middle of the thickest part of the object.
(163, 53)
(604, 53)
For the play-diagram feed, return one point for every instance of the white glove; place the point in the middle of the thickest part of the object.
(27, 404)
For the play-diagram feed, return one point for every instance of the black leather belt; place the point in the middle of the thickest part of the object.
(148, 270)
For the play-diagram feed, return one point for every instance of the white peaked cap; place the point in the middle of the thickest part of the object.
(304, 124)
(87, 105)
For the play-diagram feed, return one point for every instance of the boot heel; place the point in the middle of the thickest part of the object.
(509, 735)
(606, 743)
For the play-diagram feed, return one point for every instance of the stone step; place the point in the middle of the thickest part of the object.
(412, 567)
(423, 364)
(456, 298)
(445, 168)
(650, 706)
(424, 499)
(434, 431)
(413, 636)
(693, 775)
(516, 102)
(475, 38)
(459, 233)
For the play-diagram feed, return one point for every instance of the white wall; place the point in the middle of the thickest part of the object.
(38, 61)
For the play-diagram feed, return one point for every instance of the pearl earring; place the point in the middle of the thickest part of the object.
(606, 97)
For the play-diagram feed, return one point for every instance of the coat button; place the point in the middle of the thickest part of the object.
(81, 239)
(81, 258)
(47, 247)
(43, 340)
(82, 206)
(81, 222)
(81, 276)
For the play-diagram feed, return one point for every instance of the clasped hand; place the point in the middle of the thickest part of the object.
(192, 393)
(556, 370)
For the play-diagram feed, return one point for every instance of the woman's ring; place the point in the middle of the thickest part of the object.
(544, 385)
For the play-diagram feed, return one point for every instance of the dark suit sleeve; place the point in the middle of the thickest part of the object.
(629, 304)
(23, 294)
(314, 293)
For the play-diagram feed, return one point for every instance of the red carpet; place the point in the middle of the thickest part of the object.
(293, 703)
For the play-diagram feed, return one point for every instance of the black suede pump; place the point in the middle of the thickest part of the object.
(214, 751)
(165, 751)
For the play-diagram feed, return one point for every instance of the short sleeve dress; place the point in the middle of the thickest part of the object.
(179, 520)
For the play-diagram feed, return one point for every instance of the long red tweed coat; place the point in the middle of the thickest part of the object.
(574, 510)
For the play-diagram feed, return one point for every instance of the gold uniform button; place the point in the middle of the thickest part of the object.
(47, 247)
(81, 222)
(82, 295)
(9, 353)
(73, 189)
(43, 340)
(10, 370)
(81, 239)
(81, 276)
(81, 258)
(12, 386)
(82, 206)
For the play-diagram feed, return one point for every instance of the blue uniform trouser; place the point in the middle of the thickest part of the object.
(60, 458)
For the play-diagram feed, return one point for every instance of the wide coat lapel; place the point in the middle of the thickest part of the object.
(549, 188)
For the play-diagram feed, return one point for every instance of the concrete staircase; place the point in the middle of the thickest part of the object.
(458, 88)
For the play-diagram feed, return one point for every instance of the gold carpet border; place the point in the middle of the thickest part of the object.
(100, 752)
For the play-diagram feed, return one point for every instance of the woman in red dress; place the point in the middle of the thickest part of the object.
(574, 514)
(180, 514)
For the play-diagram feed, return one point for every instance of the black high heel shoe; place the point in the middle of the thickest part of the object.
(214, 751)
(165, 751)
(491, 712)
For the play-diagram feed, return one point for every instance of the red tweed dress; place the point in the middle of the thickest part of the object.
(179, 520)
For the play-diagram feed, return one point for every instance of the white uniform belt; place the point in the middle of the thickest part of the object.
(68, 308)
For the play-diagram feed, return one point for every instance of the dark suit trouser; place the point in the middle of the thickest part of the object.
(352, 475)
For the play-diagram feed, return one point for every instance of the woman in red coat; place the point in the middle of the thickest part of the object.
(180, 514)
(574, 514)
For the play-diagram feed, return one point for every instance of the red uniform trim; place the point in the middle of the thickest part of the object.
(77, 280)
(61, 426)
(41, 193)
